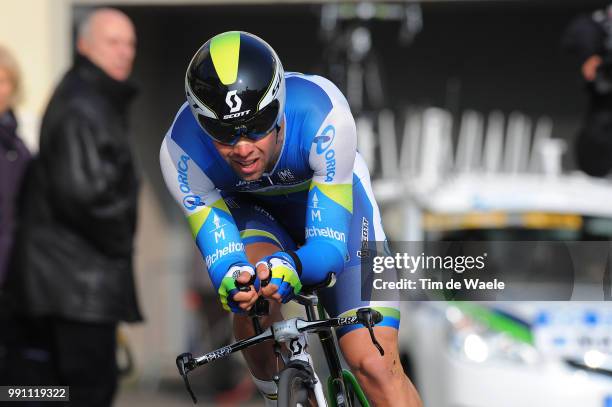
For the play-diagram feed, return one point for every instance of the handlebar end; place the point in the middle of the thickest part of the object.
(186, 363)
(376, 316)
(370, 317)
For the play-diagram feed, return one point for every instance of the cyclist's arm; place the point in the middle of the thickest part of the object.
(330, 198)
(209, 218)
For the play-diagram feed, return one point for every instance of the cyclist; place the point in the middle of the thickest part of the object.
(263, 162)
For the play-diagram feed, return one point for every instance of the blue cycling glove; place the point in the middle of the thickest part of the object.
(283, 273)
(227, 289)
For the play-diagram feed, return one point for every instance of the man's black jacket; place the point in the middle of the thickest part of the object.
(75, 245)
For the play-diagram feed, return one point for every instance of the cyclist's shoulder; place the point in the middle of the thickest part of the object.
(306, 89)
(185, 131)
(313, 100)
(186, 138)
(183, 121)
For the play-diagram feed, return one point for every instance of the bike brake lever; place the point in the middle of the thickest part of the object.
(368, 318)
(185, 363)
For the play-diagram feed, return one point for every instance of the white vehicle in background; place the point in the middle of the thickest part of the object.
(501, 354)
(514, 353)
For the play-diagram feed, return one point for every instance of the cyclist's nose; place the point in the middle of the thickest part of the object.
(243, 147)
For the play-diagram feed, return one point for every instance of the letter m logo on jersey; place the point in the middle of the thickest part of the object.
(219, 235)
(218, 231)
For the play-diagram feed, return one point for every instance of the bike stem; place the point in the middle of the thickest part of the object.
(260, 309)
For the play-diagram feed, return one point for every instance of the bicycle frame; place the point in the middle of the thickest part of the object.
(294, 332)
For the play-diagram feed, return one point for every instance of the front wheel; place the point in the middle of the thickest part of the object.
(295, 388)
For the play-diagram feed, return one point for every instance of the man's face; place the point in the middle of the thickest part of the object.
(110, 44)
(250, 159)
(6, 90)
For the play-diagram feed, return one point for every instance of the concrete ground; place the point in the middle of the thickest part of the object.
(175, 395)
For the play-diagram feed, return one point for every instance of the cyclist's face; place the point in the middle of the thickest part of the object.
(250, 159)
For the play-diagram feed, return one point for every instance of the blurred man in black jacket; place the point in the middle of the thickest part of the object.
(73, 276)
(589, 38)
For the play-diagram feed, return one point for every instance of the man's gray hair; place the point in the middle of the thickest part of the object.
(85, 18)
(84, 24)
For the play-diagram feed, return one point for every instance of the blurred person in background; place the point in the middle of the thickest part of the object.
(14, 157)
(589, 38)
(73, 278)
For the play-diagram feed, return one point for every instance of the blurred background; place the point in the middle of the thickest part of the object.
(467, 115)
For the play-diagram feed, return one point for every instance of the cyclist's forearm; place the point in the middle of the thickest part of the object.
(211, 223)
(328, 220)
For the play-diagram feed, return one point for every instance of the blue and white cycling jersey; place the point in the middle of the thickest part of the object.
(319, 189)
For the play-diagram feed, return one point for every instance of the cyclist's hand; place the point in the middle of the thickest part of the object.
(232, 297)
(284, 281)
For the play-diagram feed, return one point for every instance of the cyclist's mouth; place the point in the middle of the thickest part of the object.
(247, 167)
